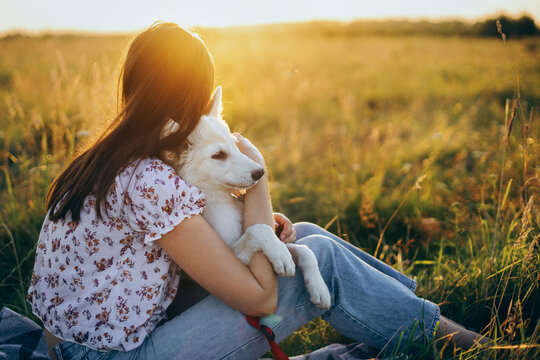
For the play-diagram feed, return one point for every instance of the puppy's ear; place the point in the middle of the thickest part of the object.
(169, 127)
(215, 110)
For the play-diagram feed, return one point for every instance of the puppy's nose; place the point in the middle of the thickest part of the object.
(257, 174)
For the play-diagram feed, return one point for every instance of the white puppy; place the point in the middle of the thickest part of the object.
(215, 165)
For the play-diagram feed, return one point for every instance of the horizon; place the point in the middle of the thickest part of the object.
(75, 31)
(64, 16)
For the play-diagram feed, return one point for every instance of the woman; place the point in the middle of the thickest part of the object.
(120, 225)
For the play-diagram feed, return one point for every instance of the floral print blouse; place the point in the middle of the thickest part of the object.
(104, 282)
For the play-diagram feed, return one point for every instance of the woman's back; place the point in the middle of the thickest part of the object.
(106, 276)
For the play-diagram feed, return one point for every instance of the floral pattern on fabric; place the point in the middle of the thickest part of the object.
(103, 282)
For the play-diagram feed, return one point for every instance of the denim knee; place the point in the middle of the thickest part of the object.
(324, 249)
(305, 228)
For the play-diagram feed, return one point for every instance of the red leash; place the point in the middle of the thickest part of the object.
(270, 337)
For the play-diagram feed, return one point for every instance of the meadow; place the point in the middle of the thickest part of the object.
(422, 150)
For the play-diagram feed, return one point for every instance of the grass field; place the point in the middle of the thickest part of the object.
(400, 144)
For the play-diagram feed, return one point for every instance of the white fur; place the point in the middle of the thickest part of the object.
(218, 177)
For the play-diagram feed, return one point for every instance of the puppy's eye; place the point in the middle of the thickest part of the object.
(220, 155)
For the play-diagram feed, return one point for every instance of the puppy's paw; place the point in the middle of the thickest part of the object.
(318, 292)
(281, 260)
(262, 237)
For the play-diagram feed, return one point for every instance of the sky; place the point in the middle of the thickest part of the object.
(133, 15)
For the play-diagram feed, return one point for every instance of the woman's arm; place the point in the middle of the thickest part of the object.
(258, 210)
(202, 254)
(257, 204)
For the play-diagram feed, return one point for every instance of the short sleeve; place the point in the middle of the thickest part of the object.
(157, 200)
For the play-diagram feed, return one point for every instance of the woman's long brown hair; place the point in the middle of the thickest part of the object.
(168, 73)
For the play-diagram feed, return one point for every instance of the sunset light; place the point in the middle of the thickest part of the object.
(123, 15)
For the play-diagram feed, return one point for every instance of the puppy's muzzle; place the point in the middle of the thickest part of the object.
(257, 174)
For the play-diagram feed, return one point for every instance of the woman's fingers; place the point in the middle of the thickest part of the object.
(284, 228)
(247, 148)
(287, 225)
(290, 238)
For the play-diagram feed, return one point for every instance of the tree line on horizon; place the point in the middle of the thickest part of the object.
(519, 27)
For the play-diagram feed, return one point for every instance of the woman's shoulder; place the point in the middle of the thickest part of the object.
(146, 166)
(154, 175)
(155, 198)
(146, 170)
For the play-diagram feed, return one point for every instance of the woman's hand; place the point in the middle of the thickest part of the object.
(248, 149)
(284, 228)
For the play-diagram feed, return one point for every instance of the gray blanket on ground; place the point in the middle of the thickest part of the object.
(21, 338)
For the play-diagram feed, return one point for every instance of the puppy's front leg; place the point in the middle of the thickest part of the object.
(261, 237)
(316, 287)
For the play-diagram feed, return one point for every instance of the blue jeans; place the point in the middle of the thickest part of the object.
(371, 303)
